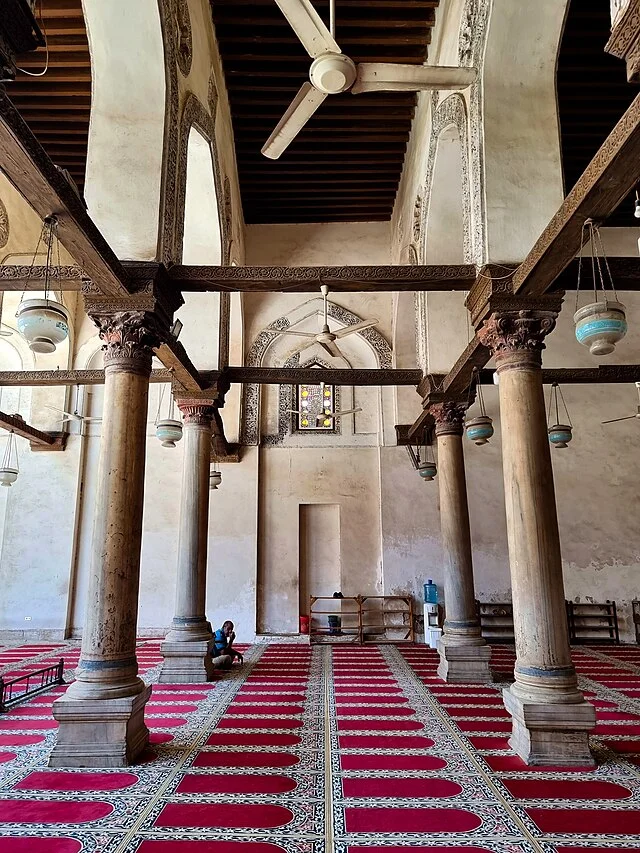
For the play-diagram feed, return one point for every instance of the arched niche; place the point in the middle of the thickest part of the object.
(447, 212)
(202, 241)
(367, 349)
(126, 132)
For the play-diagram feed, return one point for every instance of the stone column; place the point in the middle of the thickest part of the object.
(187, 647)
(464, 654)
(551, 719)
(101, 715)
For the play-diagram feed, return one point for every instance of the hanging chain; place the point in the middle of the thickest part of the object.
(566, 410)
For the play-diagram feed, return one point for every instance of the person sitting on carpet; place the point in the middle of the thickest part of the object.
(223, 644)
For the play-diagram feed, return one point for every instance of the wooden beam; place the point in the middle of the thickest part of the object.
(24, 278)
(299, 375)
(308, 279)
(604, 374)
(55, 378)
(20, 427)
(609, 177)
(33, 174)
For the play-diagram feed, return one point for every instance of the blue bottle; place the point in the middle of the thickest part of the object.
(430, 592)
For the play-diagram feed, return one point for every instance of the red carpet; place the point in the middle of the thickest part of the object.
(81, 782)
(223, 816)
(411, 788)
(366, 761)
(6, 756)
(52, 811)
(600, 821)
(40, 845)
(264, 723)
(565, 789)
(514, 763)
(384, 742)
(379, 725)
(211, 783)
(222, 739)
(245, 759)
(410, 820)
(204, 847)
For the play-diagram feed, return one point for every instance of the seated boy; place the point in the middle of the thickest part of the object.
(223, 644)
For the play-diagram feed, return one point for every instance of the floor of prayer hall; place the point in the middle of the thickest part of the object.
(321, 749)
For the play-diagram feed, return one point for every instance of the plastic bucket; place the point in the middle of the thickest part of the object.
(304, 624)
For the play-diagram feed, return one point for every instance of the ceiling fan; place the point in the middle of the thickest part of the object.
(332, 72)
(326, 338)
(73, 416)
(628, 417)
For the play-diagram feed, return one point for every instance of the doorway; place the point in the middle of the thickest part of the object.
(319, 567)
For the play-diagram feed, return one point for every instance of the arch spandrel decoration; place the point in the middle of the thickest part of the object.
(183, 36)
(4, 225)
(177, 129)
(250, 432)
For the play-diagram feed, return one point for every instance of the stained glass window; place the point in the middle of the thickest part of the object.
(315, 404)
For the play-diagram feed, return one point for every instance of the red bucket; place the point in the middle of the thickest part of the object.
(304, 624)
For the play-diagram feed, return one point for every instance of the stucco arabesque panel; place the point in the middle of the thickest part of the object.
(250, 433)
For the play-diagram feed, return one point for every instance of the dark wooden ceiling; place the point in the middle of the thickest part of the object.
(56, 106)
(346, 163)
(593, 93)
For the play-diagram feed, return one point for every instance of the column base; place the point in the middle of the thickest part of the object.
(464, 664)
(186, 662)
(551, 734)
(100, 732)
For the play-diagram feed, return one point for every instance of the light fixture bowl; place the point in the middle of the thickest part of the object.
(479, 429)
(427, 471)
(169, 431)
(43, 323)
(8, 476)
(560, 435)
(600, 325)
(215, 478)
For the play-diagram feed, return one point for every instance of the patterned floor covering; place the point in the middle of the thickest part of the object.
(354, 750)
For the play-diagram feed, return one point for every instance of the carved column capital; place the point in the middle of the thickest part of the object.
(129, 338)
(449, 417)
(197, 412)
(516, 338)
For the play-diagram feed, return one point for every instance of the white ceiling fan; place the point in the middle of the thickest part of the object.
(628, 417)
(326, 338)
(332, 72)
(73, 416)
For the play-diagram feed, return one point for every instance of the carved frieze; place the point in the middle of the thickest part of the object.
(625, 35)
(183, 36)
(4, 225)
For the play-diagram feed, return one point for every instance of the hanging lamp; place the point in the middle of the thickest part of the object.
(480, 428)
(559, 434)
(422, 458)
(9, 470)
(44, 323)
(215, 477)
(600, 324)
(169, 429)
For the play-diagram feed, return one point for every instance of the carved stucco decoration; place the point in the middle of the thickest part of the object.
(183, 36)
(213, 96)
(129, 339)
(449, 417)
(250, 433)
(4, 225)
(515, 331)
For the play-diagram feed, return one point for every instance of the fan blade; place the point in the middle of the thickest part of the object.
(332, 348)
(69, 415)
(298, 113)
(303, 348)
(300, 334)
(395, 77)
(615, 420)
(357, 327)
(346, 412)
(309, 27)
(294, 411)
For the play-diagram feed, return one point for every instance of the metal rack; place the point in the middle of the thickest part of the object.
(593, 622)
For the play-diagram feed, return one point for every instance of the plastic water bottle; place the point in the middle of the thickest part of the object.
(430, 592)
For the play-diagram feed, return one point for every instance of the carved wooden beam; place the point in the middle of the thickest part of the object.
(309, 279)
(609, 177)
(55, 378)
(299, 375)
(31, 278)
(37, 179)
(625, 38)
(20, 427)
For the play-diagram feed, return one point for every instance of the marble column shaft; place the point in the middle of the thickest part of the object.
(551, 719)
(187, 647)
(464, 654)
(101, 715)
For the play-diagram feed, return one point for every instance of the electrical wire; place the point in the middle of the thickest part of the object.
(46, 47)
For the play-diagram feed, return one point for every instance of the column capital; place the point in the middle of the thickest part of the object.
(516, 338)
(449, 417)
(129, 338)
(197, 412)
